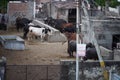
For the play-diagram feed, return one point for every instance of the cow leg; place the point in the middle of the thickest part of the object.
(17, 28)
(30, 37)
(70, 53)
(41, 38)
(36, 37)
(25, 34)
(84, 58)
(5, 27)
(68, 46)
(69, 50)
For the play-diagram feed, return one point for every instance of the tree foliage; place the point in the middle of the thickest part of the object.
(114, 3)
(100, 2)
(3, 5)
(111, 3)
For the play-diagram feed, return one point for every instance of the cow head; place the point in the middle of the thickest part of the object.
(47, 31)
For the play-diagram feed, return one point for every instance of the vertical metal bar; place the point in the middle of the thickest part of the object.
(110, 74)
(77, 67)
(50, 9)
(77, 40)
(34, 3)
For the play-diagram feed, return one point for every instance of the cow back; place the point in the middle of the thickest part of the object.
(70, 36)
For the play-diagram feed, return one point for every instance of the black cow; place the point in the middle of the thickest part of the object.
(59, 24)
(21, 22)
(26, 29)
(91, 52)
(49, 21)
(71, 47)
(55, 23)
(3, 26)
(69, 29)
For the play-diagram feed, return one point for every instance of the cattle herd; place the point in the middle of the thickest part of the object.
(32, 31)
(69, 29)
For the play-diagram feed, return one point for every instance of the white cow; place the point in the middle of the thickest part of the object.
(38, 32)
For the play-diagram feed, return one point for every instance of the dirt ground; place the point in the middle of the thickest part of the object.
(35, 53)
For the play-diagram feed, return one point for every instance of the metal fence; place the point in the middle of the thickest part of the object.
(115, 77)
(33, 72)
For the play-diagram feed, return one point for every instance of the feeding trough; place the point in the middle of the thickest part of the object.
(12, 42)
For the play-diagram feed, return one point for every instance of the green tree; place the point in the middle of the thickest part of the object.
(3, 5)
(100, 2)
(112, 3)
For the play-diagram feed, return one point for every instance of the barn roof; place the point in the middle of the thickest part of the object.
(43, 1)
(64, 4)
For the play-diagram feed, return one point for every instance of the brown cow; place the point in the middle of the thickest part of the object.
(70, 36)
(67, 25)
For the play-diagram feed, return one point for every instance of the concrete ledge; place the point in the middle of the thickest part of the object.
(57, 37)
(42, 24)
